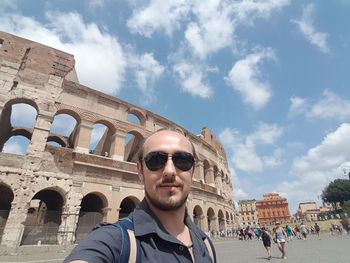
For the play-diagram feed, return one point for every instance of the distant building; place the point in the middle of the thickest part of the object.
(272, 208)
(308, 211)
(248, 213)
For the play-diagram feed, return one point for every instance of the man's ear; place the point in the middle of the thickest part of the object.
(140, 171)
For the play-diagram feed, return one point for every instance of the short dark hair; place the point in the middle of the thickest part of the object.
(140, 155)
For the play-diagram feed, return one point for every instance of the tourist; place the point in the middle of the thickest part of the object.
(303, 231)
(162, 227)
(266, 238)
(317, 229)
(289, 233)
(280, 239)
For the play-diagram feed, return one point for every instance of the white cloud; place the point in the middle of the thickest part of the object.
(318, 167)
(210, 24)
(192, 79)
(102, 69)
(298, 105)
(247, 10)
(157, 16)
(243, 148)
(329, 106)
(307, 28)
(213, 29)
(244, 77)
(146, 70)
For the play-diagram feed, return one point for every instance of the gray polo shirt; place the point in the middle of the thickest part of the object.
(157, 245)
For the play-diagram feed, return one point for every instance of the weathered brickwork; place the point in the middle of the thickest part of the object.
(54, 194)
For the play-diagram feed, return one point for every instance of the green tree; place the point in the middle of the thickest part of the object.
(337, 191)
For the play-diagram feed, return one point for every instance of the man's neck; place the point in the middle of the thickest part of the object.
(172, 221)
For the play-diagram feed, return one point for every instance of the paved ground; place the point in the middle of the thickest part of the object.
(330, 249)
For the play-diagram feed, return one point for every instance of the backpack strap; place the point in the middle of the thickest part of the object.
(210, 247)
(130, 251)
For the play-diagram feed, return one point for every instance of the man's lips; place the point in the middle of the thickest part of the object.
(168, 185)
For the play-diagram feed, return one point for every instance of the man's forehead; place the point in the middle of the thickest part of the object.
(166, 137)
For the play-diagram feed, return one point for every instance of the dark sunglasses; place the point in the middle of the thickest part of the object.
(157, 160)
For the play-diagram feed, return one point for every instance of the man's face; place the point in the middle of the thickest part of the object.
(167, 188)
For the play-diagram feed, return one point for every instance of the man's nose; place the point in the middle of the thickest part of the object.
(169, 168)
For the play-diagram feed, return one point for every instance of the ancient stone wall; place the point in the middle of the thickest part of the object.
(55, 194)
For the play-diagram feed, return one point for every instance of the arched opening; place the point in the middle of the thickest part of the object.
(43, 218)
(90, 214)
(6, 198)
(127, 206)
(222, 225)
(136, 116)
(16, 144)
(133, 143)
(101, 137)
(198, 216)
(63, 129)
(17, 121)
(211, 221)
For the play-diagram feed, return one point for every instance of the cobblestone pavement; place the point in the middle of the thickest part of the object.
(329, 249)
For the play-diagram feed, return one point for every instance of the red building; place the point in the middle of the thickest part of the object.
(272, 208)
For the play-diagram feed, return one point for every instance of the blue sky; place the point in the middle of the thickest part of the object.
(270, 78)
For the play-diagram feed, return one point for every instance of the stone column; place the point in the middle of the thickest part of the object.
(40, 133)
(69, 223)
(209, 176)
(118, 145)
(199, 171)
(83, 137)
(14, 228)
(218, 183)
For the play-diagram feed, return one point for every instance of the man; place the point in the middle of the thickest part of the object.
(317, 229)
(161, 223)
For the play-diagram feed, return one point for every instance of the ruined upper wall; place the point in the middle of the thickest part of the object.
(38, 58)
(37, 64)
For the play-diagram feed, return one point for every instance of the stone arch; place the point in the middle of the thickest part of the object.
(42, 222)
(133, 143)
(92, 212)
(103, 145)
(20, 143)
(7, 128)
(68, 135)
(198, 216)
(57, 139)
(71, 113)
(211, 221)
(127, 205)
(6, 198)
(221, 221)
(140, 115)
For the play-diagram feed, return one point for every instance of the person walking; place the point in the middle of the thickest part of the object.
(317, 229)
(280, 239)
(266, 239)
(289, 233)
(303, 231)
(162, 226)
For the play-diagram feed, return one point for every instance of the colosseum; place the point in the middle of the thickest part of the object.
(60, 188)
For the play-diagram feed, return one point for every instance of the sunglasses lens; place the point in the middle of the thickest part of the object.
(155, 160)
(183, 160)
